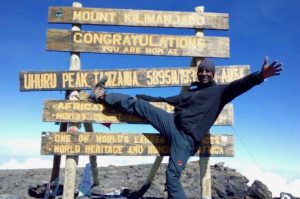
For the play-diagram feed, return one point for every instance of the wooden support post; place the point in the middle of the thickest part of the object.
(71, 160)
(93, 159)
(57, 158)
(70, 176)
(205, 177)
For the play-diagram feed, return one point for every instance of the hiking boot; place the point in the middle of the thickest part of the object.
(98, 93)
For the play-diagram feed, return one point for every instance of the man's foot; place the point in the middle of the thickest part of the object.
(98, 92)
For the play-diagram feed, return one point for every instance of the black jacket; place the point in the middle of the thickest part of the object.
(197, 109)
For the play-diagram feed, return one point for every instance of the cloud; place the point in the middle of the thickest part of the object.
(46, 161)
(28, 163)
(274, 181)
(20, 147)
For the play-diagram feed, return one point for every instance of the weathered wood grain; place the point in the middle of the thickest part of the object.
(122, 78)
(127, 17)
(84, 111)
(142, 144)
(137, 44)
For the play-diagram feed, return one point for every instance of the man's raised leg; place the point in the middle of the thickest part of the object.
(161, 120)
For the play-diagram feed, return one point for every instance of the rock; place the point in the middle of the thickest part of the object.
(284, 195)
(96, 190)
(9, 196)
(227, 183)
(219, 165)
(259, 191)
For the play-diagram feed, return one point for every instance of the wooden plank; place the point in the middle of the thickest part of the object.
(138, 44)
(84, 111)
(126, 17)
(124, 144)
(123, 78)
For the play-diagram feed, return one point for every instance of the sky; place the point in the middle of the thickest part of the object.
(266, 119)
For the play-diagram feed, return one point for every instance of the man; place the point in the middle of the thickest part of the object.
(195, 113)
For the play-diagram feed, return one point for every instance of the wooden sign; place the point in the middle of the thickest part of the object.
(139, 44)
(151, 77)
(103, 16)
(86, 112)
(128, 144)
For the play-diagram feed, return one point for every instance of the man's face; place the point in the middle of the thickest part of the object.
(205, 75)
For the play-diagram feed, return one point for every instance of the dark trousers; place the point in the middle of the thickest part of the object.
(182, 145)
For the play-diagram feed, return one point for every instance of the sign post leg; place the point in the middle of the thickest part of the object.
(57, 158)
(93, 159)
(70, 176)
(153, 171)
(205, 178)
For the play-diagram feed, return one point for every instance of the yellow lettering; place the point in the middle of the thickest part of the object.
(27, 83)
(100, 16)
(151, 42)
(66, 149)
(88, 38)
(137, 149)
(135, 79)
(83, 138)
(40, 81)
(103, 149)
(152, 150)
(127, 18)
(68, 80)
(217, 150)
(81, 79)
(200, 43)
(156, 51)
(127, 78)
(62, 138)
(126, 40)
(159, 19)
(163, 42)
(173, 52)
(77, 38)
(117, 38)
(107, 39)
(150, 77)
(76, 15)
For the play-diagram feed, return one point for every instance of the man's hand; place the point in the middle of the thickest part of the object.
(270, 70)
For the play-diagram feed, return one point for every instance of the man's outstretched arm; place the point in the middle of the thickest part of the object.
(242, 85)
(173, 100)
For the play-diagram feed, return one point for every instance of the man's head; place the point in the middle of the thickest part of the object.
(206, 71)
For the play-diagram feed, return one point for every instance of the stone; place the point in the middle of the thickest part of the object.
(259, 191)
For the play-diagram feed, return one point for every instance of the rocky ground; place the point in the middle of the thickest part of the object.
(226, 182)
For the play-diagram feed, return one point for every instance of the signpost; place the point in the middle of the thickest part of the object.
(121, 78)
(87, 112)
(138, 44)
(102, 16)
(127, 144)
(71, 113)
